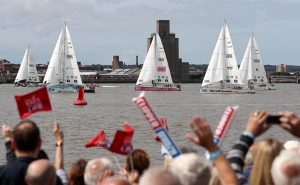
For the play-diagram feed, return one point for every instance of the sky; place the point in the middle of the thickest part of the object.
(101, 29)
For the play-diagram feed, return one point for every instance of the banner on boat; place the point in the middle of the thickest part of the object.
(33, 102)
(122, 143)
(156, 125)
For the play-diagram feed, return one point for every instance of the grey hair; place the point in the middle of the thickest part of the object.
(284, 159)
(159, 176)
(95, 169)
(192, 169)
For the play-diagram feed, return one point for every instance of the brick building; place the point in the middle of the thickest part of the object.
(116, 63)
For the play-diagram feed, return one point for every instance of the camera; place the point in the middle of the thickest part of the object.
(273, 119)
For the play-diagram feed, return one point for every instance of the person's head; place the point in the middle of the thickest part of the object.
(159, 176)
(264, 153)
(191, 169)
(41, 172)
(76, 173)
(286, 168)
(139, 160)
(96, 170)
(26, 137)
(114, 181)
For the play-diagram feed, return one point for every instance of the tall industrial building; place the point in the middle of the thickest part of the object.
(179, 70)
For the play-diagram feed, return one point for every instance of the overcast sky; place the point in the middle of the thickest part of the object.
(103, 28)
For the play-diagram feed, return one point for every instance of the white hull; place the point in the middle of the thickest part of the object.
(158, 87)
(262, 87)
(212, 90)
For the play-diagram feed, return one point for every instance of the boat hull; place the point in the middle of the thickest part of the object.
(70, 88)
(226, 91)
(89, 88)
(156, 88)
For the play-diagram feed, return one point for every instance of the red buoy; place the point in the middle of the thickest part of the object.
(80, 100)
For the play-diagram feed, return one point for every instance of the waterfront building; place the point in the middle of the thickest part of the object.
(116, 63)
(281, 68)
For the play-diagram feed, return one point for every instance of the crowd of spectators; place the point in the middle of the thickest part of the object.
(265, 162)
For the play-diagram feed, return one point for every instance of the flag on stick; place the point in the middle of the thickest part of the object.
(156, 125)
(223, 126)
(99, 140)
(33, 102)
(122, 143)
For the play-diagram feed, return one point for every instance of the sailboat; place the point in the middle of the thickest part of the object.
(27, 74)
(62, 74)
(155, 74)
(252, 70)
(222, 73)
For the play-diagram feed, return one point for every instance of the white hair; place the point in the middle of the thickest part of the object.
(159, 176)
(192, 169)
(286, 159)
(95, 169)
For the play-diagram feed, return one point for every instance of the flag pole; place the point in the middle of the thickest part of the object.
(52, 107)
(117, 161)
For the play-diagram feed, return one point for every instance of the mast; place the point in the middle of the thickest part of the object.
(28, 65)
(64, 54)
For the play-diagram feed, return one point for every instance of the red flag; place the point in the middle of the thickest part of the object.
(33, 102)
(99, 140)
(122, 143)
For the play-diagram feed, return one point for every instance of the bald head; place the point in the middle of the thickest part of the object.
(41, 172)
(114, 181)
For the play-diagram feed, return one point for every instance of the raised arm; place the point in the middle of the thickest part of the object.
(10, 154)
(256, 126)
(59, 155)
(59, 139)
(203, 137)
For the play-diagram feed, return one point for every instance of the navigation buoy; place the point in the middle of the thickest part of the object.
(80, 100)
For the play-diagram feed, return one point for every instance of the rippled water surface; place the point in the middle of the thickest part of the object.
(112, 105)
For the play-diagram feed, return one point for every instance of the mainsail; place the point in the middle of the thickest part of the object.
(222, 67)
(63, 69)
(222, 75)
(252, 69)
(27, 71)
(155, 68)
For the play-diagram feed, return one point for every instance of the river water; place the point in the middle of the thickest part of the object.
(112, 105)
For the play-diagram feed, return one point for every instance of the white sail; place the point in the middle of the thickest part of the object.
(71, 70)
(222, 75)
(63, 68)
(222, 66)
(155, 67)
(53, 74)
(252, 69)
(27, 71)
